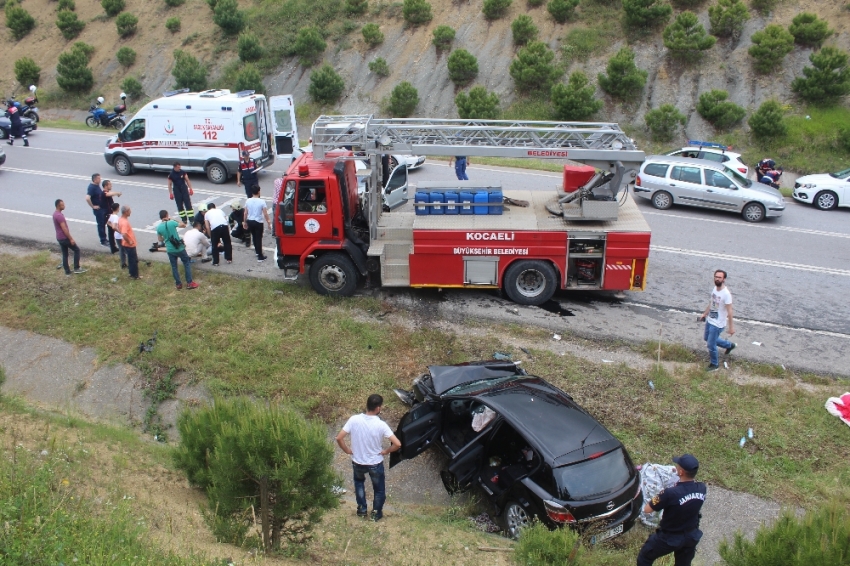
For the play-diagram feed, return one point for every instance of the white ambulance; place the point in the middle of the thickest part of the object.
(205, 132)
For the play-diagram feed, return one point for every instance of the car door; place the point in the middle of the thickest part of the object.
(417, 431)
(464, 468)
(285, 130)
(686, 185)
(721, 192)
(395, 190)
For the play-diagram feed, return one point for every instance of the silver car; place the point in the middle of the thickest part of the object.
(667, 180)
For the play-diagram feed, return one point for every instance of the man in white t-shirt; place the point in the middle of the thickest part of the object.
(219, 231)
(197, 243)
(256, 212)
(367, 432)
(717, 316)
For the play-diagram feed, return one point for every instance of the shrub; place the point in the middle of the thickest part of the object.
(463, 66)
(84, 48)
(574, 101)
(478, 104)
(538, 546)
(133, 88)
(250, 456)
(69, 24)
(403, 100)
(66, 5)
(18, 20)
(188, 72)
(764, 7)
(126, 24)
(309, 46)
(809, 30)
(687, 4)
(249, 47)
(663, 122)
(624, 80)
(827, 80)
(524, 30)
(562, 10)
(212, 4)
(495, 9)
(356, 7)
(416, 12)
(533, 69)
(581, 43)
(727, 18)
(768, 121)
(174, 3)
(112, 7)
(372, 35)
(326, 86)
(379, 67)
(172, 24)
(443, 37)
(717, 110)
(536, 3)
(26, 71)
(72, 71)
(646, 13)
(770, 46)
(229, 17)
(126, 56)
(686, 38)
(249, 78)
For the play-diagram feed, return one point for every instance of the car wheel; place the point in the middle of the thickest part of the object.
(217, 173)
(334, 274)
(826, 200)
(530, 282)
(91, 122)
(122, 165)
(753, 212)
(515, 518)
(3, 134)
(662, 200)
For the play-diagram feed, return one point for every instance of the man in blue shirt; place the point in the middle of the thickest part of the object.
(95, 199)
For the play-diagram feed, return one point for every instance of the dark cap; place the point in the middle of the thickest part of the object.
(687, 462)
(245, 153)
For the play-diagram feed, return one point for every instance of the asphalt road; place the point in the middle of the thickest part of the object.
(790, 277)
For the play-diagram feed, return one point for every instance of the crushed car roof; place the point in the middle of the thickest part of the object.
(446, 377)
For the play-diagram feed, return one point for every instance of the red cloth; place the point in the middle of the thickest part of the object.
(840, 407)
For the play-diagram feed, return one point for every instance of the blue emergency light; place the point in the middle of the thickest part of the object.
(697, 143)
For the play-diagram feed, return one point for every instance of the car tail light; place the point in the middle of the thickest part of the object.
(558, 513)
(596, 455)
(742, 170)
(637, 181)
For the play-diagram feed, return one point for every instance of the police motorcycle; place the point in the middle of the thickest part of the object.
(28, 109)
(100, 118)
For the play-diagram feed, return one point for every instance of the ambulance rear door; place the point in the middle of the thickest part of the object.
(285, 129)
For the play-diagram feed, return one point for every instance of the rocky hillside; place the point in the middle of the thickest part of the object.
(412, 57)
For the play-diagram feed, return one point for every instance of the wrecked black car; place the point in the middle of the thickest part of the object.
(532, 450)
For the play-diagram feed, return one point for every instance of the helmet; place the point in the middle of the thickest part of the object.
(100, 100)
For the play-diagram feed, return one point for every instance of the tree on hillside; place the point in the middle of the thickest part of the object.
(768, 122)
(495, 9)
(356, 7)
(478, 104)
(133, 88)
(721, 113)
(380, 67)
(623, 80)
(72, 71)
(403, 100)
(646, 13)
(575, 101)
(809, 30)
(112, 7)
(69, 24)
(229, 17)
(18, 20)
(249, 47)
(126, 24)
(727, 18)
(126, 56)
(523, 29)
(686, 38)
(27, 72)
(443, 37)
(188, 72)
(770, 46)
(463, 67)
(66, 5)
(562, 10)
(249, 78)
(326, 86)
(827, 80)
(309, 46)
(664, 121)
(416, 12)
(372, 34)
(533, 69)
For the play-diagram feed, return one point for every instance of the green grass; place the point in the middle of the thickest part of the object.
(64, 124)
(669, 352)
(581, 43)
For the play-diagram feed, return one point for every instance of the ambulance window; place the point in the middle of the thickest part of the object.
(287, 208)
(249, 124)
(311, 197)
(135, 131)
(282, 121)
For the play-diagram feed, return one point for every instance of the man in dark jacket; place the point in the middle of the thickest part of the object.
(17, 128)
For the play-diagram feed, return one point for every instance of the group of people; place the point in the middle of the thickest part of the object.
(768, 173)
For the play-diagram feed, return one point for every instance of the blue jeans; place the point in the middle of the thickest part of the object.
(100, 218)
(376, 474)
(713, 340)
(460, 171)
(187, 267)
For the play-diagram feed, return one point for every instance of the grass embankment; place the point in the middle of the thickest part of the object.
(285, 343)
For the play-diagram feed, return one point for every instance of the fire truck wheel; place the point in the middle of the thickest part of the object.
(530, 282)
(333, 274)
(662, 200)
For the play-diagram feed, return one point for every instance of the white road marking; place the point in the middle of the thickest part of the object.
(74, 132)
(753, 260)
(33, 148)
(751, 225)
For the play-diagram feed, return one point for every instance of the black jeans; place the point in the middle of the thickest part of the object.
(682, 546)
(221, 233)
(256, 230)
(132, 261)
(111, 232)
(184, 205)
(67, 245)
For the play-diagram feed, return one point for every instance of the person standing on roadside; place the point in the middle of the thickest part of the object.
(367, 432)
(112, 223)
(94, 198)
(108, 207)
(256, 212)
(460, 161)
(16, 128)
(128, 240)
(678, 533)
(175, 248)
(179, 190)
(717, 315)
(247, 173)
(66, 241)
(219, 231)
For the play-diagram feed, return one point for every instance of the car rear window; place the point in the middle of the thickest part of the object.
(656, 169)
(594, 478)
(718, 157)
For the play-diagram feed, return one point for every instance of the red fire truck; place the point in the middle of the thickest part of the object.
(586, 234)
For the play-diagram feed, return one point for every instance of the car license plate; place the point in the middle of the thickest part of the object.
(607, 534)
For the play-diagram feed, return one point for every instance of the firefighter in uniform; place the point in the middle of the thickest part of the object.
(679, 531)
(179, 190)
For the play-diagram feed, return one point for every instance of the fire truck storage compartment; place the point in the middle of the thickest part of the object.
(576, 176)
(478, 270)
(585, 260)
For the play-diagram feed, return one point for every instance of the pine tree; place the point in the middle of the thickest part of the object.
(827, 80)
(575, 101)
(623, 80)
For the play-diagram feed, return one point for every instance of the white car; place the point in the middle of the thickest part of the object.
(713, 152)
(412, 161)
(825, 190)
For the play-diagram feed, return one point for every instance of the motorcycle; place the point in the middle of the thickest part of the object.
(101, 118)
(28, 108)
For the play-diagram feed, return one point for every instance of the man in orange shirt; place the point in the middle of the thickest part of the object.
(128, 241)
